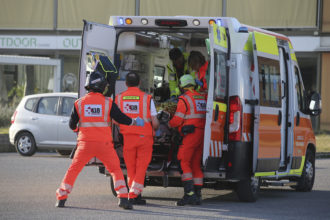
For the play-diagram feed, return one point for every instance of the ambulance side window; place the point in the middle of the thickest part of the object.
(299, 90)
(269, 82)
(220, 76)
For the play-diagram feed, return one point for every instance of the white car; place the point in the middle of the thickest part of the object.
(41, 121)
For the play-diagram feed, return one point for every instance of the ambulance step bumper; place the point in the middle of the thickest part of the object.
(278, 183)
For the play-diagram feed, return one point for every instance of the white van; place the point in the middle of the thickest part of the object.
(258, 129)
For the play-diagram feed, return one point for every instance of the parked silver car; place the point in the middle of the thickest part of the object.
(41, 121)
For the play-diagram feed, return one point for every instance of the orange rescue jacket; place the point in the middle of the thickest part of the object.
(94, 117)
(191, 110)
(135, 103)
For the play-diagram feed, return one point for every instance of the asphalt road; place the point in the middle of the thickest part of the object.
(28, 184)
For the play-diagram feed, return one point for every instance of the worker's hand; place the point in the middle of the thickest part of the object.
(198, 82)
(139, 121)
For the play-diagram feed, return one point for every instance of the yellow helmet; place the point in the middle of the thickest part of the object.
(187, 80)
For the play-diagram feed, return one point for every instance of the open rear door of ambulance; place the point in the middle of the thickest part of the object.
(216, 108)
(97, 39)
(268, 113)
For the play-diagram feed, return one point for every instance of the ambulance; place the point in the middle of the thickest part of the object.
(258, 128)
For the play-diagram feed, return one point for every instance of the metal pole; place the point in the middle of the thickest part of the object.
(137, 7)
(224, 8)
(55, 14)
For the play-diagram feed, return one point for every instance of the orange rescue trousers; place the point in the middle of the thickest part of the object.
(190, 156)
(137, 156)
(86, 150)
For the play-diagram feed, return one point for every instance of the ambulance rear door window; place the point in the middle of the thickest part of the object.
(269, 82)
(220, 76)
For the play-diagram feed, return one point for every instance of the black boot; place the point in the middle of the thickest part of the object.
(60, 203)
(189, 194)
(138, 200)
(198, 191)
(124, 203)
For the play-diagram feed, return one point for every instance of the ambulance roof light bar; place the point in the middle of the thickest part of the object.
(174, 21)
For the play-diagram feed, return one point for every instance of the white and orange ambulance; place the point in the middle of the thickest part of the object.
(258, 130)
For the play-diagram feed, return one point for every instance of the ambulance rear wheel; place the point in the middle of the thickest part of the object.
(248, 190)
(306, 181)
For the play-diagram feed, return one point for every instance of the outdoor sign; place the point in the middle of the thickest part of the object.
(40, 42)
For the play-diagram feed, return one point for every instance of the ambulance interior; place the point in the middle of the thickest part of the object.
(147, 53)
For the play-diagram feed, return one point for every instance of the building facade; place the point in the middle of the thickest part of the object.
(40, 40)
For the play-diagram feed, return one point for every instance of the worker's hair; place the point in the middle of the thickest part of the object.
(175, 53)
(132, 79)
(196, 57)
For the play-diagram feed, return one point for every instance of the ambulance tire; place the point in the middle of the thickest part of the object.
(64, 152)
(306, 181)
(248, 190)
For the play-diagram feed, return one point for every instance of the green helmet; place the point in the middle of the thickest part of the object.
(187, 80)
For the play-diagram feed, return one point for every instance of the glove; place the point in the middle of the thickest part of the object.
(139, 121)
(198, 82)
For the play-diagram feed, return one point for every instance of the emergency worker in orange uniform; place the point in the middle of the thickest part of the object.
(190, 119)
(199, 65)
(91, 116)
(138, 141)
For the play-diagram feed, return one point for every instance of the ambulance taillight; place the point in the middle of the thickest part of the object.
(235, 118)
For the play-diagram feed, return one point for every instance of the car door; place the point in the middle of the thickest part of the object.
(269, 111)
(97, 39)
(216, 101)
(66, 137)
(46, 120)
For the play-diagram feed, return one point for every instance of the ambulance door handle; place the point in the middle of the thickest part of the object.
(216, 113)
(279, 122)
(284, 88)
(298, 119)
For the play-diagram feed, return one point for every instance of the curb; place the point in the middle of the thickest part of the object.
(5, 146)
(321, 155)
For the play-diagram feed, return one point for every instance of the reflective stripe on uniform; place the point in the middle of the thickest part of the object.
(179, 114)
(145, 107)
(198, 181)
(106, 109)
(119, 183)
(136, 188)
(120, 187)
(64, 190)
(186, 176)
(94, 124)
(66, 187)
(192, 110)
(79, 108)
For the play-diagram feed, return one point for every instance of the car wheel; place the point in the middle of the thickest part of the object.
(248, 190)
(25, 144)
(64, 152)
(306, 181)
